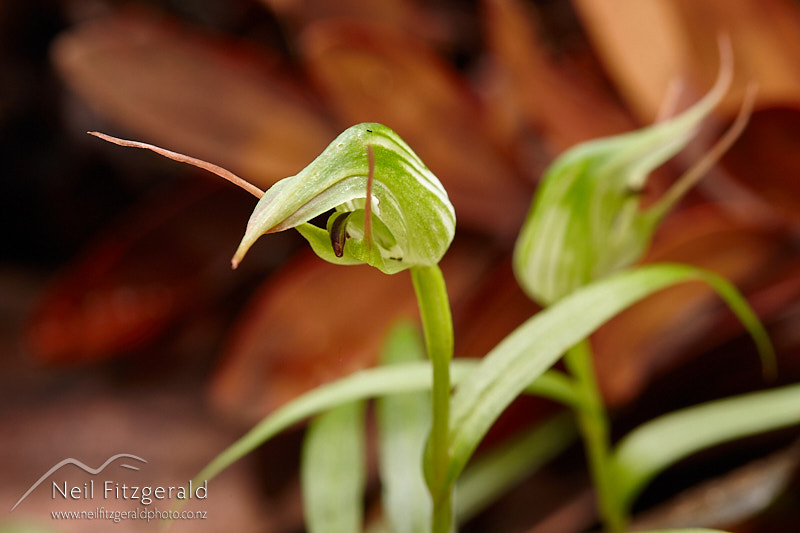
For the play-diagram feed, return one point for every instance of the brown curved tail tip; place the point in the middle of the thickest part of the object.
(182, 158)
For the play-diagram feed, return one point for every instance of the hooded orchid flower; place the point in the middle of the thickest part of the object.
(407, 221)
(586, 221)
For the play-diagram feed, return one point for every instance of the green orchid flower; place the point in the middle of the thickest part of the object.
(408, 221)
(586, 221)
(388, 211)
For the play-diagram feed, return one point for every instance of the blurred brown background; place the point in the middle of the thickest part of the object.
(123, 329)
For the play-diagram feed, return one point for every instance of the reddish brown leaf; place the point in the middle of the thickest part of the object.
(200, 95)
(493, 309)
(369, 72)
(566, 108)
(641, 45)
(574, 515)
(647, 44)
(140, 276)
(726, 500)
(778, 298)
(404, 14)
(766, 159)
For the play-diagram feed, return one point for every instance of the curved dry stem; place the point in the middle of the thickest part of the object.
(669, 105)
(199, 163)
(693, 175)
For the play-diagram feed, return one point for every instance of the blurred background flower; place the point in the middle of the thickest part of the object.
(124, 331)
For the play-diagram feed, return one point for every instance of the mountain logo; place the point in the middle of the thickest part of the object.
(82, 466)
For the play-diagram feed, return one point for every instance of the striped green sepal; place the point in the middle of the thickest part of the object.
(409, 221)
(586, 221)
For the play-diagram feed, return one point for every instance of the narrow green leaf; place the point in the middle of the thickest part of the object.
(500, 469)
(524, 354)
(557, 386)
(333, 471)
(533, 347)
(357, 386)
(370, 383)
(655, 445)
(403, 424)
(551, 331)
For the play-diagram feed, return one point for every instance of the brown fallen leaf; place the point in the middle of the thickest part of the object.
(575, 515)
(204, 96)
(766, 160)
(368, 72)
(727, 500)
(141, 276)
(641, 45)
(407, 15)
(778, 298)
(567, 107)
(492, 310)
(645, 45)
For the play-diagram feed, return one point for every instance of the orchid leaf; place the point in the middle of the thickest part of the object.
(484, 388)
(499, 469)
(403, 424)
(539, 342)
(659, 443)
(368, 383)
(333, 470)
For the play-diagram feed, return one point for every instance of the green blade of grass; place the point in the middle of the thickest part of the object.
(360, 385)
(370, 383)
(333, 471)
(538, 343)
(653, 446)
(496, 471)
(557, 386)
(403, 424)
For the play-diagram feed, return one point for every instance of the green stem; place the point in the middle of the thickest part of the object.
(593, 423)
(437, 324)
